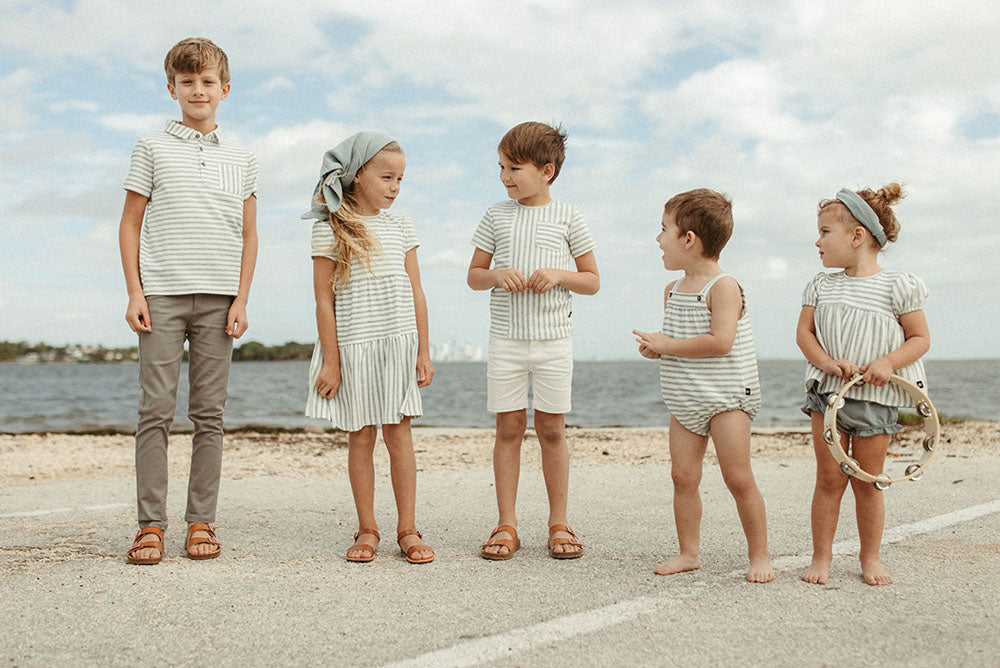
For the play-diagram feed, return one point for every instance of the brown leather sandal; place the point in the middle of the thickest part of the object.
(416, 547)
(156, 543)
(190, 542)
(553, 542)
(369, 550)
(512, 544)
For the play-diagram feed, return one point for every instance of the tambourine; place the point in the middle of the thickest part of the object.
(850, 467)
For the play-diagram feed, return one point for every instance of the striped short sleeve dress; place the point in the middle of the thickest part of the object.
(857, 319)
(696, 389)
(376, 333)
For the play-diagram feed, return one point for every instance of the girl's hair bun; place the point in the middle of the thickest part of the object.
(891, 193)
(881, 201)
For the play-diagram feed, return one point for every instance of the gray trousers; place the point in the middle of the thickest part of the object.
(201, 319)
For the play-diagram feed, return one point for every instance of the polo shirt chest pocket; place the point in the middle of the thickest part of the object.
(224, 176)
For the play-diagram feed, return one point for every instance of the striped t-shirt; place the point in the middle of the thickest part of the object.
(377, 303)
(529, 238)
(857, 319)
(192, 237)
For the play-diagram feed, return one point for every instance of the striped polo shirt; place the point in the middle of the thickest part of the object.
(192, 236)
(529, 238)
(857, 319)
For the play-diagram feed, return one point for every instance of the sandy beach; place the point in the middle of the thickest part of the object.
(317, 454)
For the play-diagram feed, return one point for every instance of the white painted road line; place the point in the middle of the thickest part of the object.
(898, 534)
(53, 511)
(504, 645)
(498, 647)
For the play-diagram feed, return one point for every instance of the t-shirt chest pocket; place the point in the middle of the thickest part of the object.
(551, 246)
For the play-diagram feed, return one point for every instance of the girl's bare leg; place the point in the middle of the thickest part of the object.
(830, 485)
(361, 471)
(403, 472)
(870, 506)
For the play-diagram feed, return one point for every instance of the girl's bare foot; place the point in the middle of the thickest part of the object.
(408, 541)
(817, 572)
(365, 545)
(760, 570)
(874, 573)
(679, 564)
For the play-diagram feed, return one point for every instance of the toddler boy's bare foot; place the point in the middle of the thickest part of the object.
(760, 570)
(874, 573)
(817, 572)
(679, 564)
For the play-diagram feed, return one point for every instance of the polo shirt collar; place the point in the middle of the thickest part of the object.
(182, 131)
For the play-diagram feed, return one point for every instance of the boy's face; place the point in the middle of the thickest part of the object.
(525, 182)
(671, 242)
(377, 184)
(199, 96)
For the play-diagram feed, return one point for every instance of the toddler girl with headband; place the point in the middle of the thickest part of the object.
(868, 320)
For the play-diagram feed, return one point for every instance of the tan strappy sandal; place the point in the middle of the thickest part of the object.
(553, 542)
(155, 542)
(210, 539)
(416, 547)
(512, 544)
(369, 550)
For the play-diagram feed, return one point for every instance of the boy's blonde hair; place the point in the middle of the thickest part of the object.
(706, 213)
(880, 201)
(536, 143)
(352, 238)
(193, 55)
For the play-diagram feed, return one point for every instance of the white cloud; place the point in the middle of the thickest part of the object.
(133, 124)
(17, 98)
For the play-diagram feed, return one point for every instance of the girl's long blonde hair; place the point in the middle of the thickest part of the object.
(352, 238)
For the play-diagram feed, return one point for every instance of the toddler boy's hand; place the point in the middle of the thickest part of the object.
(654, 342)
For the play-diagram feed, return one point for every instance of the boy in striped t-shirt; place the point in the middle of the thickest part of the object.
(188, 241)
(540, 251)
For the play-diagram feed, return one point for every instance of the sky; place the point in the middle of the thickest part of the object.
(776, 104)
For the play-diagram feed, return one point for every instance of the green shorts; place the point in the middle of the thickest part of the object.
(856, 417)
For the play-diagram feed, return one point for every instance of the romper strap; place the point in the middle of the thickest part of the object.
(703, 295)
(708, 286)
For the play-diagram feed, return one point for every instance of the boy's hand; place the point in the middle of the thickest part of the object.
(654, 342)
(137, 315)
(510, 279)
(841, 368)
(425, 371)
(647, 353)
(329, 380)
(236, 322)
(544, 280)
(877, 372)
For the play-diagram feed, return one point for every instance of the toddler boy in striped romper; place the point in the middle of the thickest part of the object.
(188, 241)
(541, 251)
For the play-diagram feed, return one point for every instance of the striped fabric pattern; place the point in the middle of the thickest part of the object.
(531, 238)
(857, 319)
(696, 389)
(192, 235)
(376, 303)
(376, 332)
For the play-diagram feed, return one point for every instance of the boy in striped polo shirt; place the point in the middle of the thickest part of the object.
(188, 240)
(540, 250)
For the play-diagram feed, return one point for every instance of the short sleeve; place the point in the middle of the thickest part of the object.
(323, 240)
(140, 170)
(580, 241)
(410, 240)
(908, 294)
(810, 296)
(250, 175)
(485, 236)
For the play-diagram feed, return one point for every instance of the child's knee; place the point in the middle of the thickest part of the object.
(685, 479)
(739, 483)
(511, 427)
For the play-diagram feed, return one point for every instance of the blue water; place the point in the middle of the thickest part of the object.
(79, 397)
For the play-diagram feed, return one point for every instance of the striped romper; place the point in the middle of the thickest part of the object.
(696, 389)
(376, 333)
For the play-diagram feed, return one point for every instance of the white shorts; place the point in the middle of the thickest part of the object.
(547, 363)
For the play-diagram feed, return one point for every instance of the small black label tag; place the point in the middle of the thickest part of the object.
(748, 391)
